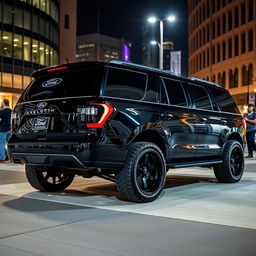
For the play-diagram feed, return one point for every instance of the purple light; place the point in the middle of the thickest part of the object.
(126, 53)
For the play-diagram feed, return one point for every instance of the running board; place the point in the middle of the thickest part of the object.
(189, 164)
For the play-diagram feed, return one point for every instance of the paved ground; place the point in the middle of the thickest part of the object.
(194, 216)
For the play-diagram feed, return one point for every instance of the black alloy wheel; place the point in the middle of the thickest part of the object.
(143, 176)
(48, 178)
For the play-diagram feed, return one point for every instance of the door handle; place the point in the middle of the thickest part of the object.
(167, 116)
(223, 121)
(202, 119)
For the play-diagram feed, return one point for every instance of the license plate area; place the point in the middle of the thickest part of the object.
(40, 123)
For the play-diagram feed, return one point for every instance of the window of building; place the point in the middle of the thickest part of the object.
(243, 43)
(213, 78)
(207, 9)
(27, 20)
(175, 92)
(223, 82)
(7, 13)
(218, 27)
(204, 59)
(223, 50)
(66, 21)
(250, 74)
(42, 53)
(230, 25)
(35, 51)
(213, 29)
(213, 6)
(251, 10)
(236, 17)
(219, 79)
(236, 46)
(236, 78)
(7, 44)
(208, 57)
(208, 33)
(17, 46)
(243, 13)
(218, 5)
(200, 97)
(250, 40)
(223, 23)
(244, 76)
(35, 24)
(218, 53)
(230, 48)
(18, 17)
(125, 84)
(213, 55)
(231, 79)
(27, 48)
(223, 3)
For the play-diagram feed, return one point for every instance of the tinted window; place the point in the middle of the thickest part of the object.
(224, 101)
(175, 92)
(200, 97)
(85, 82)
(125, 84)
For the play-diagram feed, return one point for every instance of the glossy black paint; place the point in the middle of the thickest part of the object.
(186, 135)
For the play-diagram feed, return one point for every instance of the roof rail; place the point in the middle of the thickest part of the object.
(204, 81)
(140, 66)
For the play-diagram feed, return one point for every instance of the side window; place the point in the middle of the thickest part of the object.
(224, 101)
(200, 97)
(127, 84)
(175, 92)
(151, 92)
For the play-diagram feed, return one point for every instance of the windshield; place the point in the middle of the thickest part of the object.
(83, 82)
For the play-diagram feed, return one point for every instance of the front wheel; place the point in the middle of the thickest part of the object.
(143, 176)
(232, 168)
(49, 179)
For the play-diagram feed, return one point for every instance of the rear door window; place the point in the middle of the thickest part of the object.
(224, 101)
(122, 83)
(200, 97)
(175, 92)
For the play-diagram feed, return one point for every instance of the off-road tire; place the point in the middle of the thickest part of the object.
(127, 180)
(224, 172)
(37, 179)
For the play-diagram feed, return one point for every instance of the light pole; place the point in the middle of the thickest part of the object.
(161, 45)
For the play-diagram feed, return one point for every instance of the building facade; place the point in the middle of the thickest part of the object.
(98, 47)
(29, 40)
(222, 45)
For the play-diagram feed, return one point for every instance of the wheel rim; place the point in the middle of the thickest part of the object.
(236, 162)
(149, 173)
(54, 177)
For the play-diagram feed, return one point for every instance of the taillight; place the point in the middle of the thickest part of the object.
(97, 114)
(54, 69)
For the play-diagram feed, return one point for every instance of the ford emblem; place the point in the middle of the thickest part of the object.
(51, 82)
(41, 104)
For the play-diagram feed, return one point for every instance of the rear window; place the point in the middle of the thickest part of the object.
(224, 101)
(85, 82)
(126, 84)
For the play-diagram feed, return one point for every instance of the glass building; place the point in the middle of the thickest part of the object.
(29, 40)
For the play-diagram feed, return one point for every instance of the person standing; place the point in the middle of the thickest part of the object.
(250, 119)
(5, 128)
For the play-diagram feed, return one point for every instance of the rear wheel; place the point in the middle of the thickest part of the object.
(50, 178)
(143, 176)
(232, 168)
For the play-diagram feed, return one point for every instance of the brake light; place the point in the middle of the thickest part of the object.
(54, 69)
(97, 114)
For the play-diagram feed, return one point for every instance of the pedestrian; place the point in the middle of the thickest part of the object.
(250, 119)
(5, 128)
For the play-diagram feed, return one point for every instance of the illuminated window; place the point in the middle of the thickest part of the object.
(35, 51)
(42, 53)
(7, 44)
(17, 46)
(27, 48)
(17, 81)
(7, 14)
(6, 80)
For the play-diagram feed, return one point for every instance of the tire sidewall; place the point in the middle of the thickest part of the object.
(232, 147)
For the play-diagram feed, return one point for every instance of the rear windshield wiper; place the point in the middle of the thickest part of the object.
(41, 93)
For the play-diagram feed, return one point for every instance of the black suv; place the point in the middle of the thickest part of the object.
(126, 123)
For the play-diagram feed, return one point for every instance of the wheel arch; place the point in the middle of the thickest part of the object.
(155, 137)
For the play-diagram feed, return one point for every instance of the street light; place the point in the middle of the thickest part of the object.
(161, 21)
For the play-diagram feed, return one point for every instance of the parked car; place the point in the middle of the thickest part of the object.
(126, 123)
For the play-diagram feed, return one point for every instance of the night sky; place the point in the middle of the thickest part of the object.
(124, 19)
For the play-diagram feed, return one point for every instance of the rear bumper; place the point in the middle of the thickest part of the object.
(71, 155)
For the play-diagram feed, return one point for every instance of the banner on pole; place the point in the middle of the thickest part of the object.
(175, 62)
